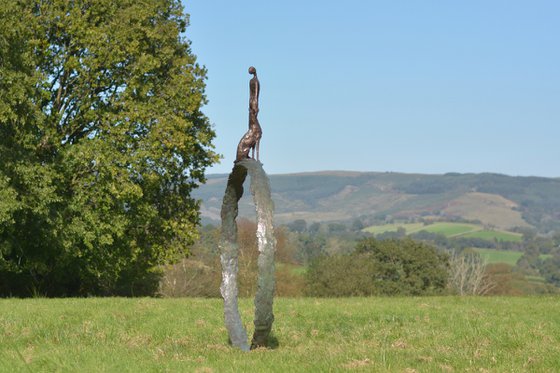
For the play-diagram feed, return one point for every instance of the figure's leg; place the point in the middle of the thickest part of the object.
(257, 146)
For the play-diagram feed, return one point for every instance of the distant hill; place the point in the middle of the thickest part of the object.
(501, 201)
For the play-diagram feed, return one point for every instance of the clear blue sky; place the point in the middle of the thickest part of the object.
(405, 86)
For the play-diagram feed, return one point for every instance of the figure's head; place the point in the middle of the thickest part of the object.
(252, 70)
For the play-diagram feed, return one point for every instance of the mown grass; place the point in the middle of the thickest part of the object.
(310, 335)
(495, 235)
(446, 228)
(449, 230)
(500, 256)
(452, 229)
(409, 227)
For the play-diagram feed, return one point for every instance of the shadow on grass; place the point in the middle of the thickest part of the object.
(272, 343)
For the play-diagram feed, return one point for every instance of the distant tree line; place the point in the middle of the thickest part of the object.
(318, 262)
(380, 267)
(540, 256)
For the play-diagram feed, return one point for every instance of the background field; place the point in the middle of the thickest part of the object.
(500, 256)
(408, 227)
(495, 235)
(449, 230)
(363, 334)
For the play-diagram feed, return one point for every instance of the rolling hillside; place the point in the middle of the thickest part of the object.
(500, 201)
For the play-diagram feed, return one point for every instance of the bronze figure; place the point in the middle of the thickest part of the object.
(251, 139)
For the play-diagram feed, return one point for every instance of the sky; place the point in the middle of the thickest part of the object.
(402, 86)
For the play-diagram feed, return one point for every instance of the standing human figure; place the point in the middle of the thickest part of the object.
(251, 139)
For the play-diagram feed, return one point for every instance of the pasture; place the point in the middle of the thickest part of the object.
(500, 256)
(449, 230)
(495, 235)
(408, 227)
(452, 229)
(504, 256)
(413, 334)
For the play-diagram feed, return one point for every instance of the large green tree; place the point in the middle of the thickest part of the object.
(102, 140)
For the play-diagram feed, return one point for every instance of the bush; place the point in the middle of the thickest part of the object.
(390, 267)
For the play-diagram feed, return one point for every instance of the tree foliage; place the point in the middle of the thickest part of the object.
(550, 269)
(102, 139)
(388, 267)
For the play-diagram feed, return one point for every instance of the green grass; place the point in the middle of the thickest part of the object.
(409, 227)
(449, 230)
(452, 229)
(495, 235)
(428, 334)
(500, 256)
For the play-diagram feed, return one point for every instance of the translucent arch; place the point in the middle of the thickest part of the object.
(260, 189)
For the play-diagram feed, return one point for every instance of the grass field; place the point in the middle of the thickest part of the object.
(445, 228)
(409, 227)
(449, 230)
(500, 256)
(496, 235)
(452, 229)
(431, 334)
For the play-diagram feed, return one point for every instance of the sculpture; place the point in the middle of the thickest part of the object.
(260, 188)
(251, 139)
